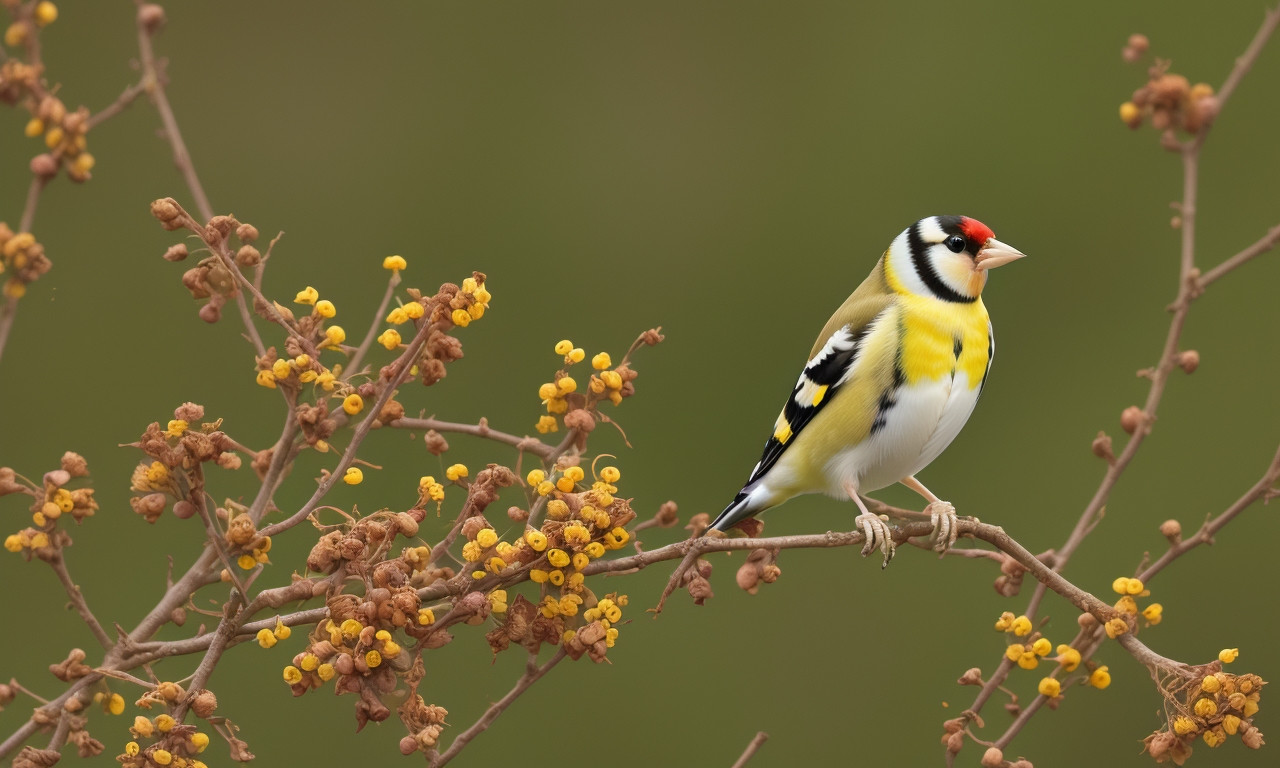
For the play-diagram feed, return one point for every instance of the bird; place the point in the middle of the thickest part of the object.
(890, 381)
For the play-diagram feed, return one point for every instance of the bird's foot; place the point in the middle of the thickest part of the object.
(877, 534)
(946, 525)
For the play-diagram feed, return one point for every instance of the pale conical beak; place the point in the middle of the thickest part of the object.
(995, 254)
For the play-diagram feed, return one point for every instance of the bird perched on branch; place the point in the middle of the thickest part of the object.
(890, 381)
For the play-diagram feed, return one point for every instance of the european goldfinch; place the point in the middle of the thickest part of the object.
(890, 381)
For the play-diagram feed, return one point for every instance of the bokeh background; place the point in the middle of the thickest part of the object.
(729, 171)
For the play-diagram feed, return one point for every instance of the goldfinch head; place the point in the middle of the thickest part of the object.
(945, 257)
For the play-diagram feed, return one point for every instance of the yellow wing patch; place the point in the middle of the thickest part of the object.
(818, 395)
(782, 430)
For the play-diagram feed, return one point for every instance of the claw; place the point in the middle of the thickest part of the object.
(877, 535)
(946, 528)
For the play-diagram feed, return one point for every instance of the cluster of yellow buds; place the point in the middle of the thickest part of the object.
(1211, 707)
(1129, 590)
(471, 300)
(1169, 101)
(51, 501)
(23, 260)
(63, 132)
(562, 395)
(1028, 654)
(163, 740)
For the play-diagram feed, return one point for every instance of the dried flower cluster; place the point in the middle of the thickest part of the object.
(1168, 101)
(374, 598)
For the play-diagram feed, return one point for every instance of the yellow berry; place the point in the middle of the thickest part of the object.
(563, 347)
(46, 13)
(54, 137)
(456, 472)
(538, 576)
(35, 127)
(353, 476)
(537, 540)
(390, 338)
(486, 538)
(1049, 687)
(353, 404)
(162, 757)
(265, 638)
(557, 509)
(548, 391)
(1153, 613)
(1005, 622)
(307, 295)
(1205, 707)
(1130, 113)
(165, 723)
(325, 308)
(610, 475)
(335, 335)
(1183, 725)
(1210, 684)
(414, 310)
(326, 671)
(280, 369)
(1041, 647)
(115, 705)
(1228, 655)
(1100, 678)
(373, 659)
(576, 355)
(1069, 658)
(535, 477)
(200, 741)
(601, 361)
(461, 318)
(266, 379)
(394, 263)
(1116, 627)
(566, 384)
(426, 616)
(558, 558)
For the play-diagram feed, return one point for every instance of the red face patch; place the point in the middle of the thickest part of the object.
(975, 230)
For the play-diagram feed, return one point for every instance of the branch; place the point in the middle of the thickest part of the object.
(59, 566)
(751, 749)
(1264, 244)
(482, 429)
(532, 674)
(122, 102)
(404, 364)
(353, 364)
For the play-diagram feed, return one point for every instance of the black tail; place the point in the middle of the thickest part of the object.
(737, 510)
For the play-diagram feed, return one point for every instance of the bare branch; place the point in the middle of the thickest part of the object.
(757, 742)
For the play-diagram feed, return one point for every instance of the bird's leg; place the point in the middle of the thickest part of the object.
(943, 516)
(874, 529)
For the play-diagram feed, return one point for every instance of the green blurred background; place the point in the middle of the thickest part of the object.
(729, 171)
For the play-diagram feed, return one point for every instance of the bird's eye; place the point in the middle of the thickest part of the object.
(955, 243)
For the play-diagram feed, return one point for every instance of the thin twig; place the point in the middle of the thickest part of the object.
(532, 674)
(482, 429)
(353, 365)
(59, 565)
(122, 102)
(405, 364)
(757, 742)
(1264, 244)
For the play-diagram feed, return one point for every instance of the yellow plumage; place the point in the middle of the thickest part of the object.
(890, 380)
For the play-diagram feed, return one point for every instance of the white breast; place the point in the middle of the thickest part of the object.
(923, 422)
